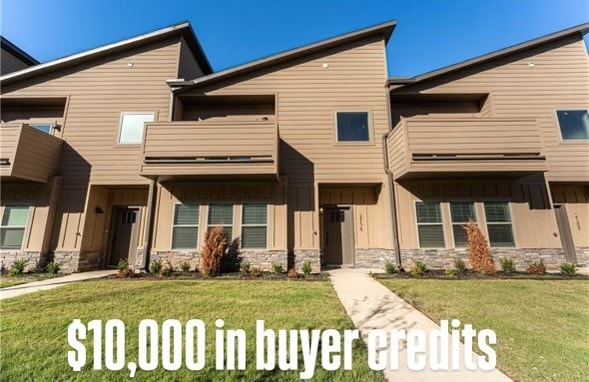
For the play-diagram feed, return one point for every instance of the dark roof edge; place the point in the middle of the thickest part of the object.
(17, 52)
(386, 29)
(582, 29)
(182, 29)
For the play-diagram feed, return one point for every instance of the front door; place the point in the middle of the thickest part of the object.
(338, 235)
(566, 237)
(124, 235)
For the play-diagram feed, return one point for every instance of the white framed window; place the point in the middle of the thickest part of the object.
(573, 124)
(185, 226)
(254, 226)
(221, 215)
(14, 224)
(430, 226)
(499, 224)
(353, 127)
(133, 126)
(461, 213)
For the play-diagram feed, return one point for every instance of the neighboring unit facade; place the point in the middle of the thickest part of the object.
(134, 150)
(12, 58)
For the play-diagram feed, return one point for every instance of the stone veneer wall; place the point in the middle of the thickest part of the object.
(262, 259)
(36, 260)
(444, 258)
(73, 261)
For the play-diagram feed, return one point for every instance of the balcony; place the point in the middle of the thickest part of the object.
(199, 150)
(27, 153)
(424, 148)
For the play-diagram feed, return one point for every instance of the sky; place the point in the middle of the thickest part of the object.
(430, 34)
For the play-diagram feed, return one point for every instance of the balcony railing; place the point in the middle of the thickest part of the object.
(429, 148)
(210, 149)
(27, 153)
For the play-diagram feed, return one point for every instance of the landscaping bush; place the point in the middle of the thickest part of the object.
(18, 267)
(537, 268)
(246, 267)
(568, 268)
(155, 267)
(122, 265)
(450, 273)
(390, 268)
(52, 268)
(256, 272)
(460, 266)
(307, 268)
(166, 270)
(479, 252)
(293, 274)
(124, 270)
(213, 251)
(507, 265)
(278, 268)
(185, 267)
(419, 269)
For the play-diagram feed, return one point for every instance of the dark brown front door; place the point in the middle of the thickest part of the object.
(338, 235)
(564, 230)
(124, 235)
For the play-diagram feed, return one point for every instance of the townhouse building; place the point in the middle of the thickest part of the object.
(134, 150)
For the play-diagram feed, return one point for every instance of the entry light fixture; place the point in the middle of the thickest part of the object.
(99, 210)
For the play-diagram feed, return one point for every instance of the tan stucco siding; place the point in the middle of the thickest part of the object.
(99, 91)
(532, 217)
(558, 79)
(308, 96)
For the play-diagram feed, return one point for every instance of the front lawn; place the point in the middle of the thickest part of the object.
(542, 326)
(34, 327)
(8, 281)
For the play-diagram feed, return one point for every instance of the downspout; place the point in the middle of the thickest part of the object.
(392, 198)
(149, 224)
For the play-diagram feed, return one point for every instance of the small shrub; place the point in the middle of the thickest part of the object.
(293, 274)
(419, 269)
(213, 251)
(278, 268)
(18, 267)
(122, 265)
(537, 268)
(390, 268)
(185, 267)
(479, 252)
(256, 272)
(125, 273)
(460, 266)
(166, 270)
(52, 268)
(568, 268)
(246, 267)
(307, 268)
(450, 273)
(156, 267)
(507, 265)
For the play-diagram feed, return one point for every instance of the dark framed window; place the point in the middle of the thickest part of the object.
(185, 228)
(574, 124)
(499, 224)
(254, 226)
(221, 215)
(353, 126)
(430, 227)
(461, 213)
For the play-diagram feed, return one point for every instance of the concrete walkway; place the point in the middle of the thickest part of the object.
(36, 286)
(372, 306)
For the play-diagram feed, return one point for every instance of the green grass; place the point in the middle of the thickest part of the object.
(542, 326)
(8, 281)
(34, 327)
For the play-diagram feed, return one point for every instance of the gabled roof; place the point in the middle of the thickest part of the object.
(17, 52)
(183, 29)
(385, 29)
(579, 29)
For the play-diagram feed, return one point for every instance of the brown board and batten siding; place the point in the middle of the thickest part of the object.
(558, 79)
(99, 91)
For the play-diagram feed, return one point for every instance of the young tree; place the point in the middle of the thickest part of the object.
(479, 252)
(213, 251)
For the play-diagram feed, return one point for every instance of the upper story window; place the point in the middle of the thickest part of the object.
(132, 127)
(574, 124)
(353, 126)
(430, 227)
(44, 127)
(14, 223)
